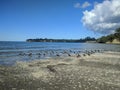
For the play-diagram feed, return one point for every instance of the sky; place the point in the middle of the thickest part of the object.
(57, 19)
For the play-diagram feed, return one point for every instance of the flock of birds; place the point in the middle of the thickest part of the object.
(59, 53)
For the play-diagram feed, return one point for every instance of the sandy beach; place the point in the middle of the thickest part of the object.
(99, 71)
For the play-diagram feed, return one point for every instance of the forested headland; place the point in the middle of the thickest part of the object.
(112, 38)
(61, 40)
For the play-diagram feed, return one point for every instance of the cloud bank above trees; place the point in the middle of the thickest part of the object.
(104, 17)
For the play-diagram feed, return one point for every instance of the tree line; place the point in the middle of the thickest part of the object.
(103, 39)
(61, 40)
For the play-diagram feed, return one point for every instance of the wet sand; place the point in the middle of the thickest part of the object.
(99, 71)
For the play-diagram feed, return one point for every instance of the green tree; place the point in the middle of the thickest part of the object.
(117, 30)
(117, 34)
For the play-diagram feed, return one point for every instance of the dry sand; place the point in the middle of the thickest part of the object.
(99, 71)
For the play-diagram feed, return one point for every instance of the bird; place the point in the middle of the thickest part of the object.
(57, 55)
(88, 54)
(78, 56)
(30, 54)
(21, 54)
(84, 54)
(69, 55)
(44, 54)
(39, 54)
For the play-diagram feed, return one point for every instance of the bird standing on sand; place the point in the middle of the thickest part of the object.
(78, 56)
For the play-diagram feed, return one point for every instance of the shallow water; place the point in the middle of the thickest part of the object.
(10, 52)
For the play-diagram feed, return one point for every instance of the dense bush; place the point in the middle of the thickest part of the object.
(111, 37)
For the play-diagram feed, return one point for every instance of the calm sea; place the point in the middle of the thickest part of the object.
(10, 52)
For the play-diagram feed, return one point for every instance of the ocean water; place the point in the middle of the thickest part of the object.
(10, 52)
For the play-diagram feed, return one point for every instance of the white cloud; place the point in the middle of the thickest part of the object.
(95, 3)
(104, 18)
(86, 4)
(77, 5)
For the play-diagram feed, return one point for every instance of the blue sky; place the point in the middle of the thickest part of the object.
(23, 19)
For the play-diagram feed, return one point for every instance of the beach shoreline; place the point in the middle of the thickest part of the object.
(98, 71)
